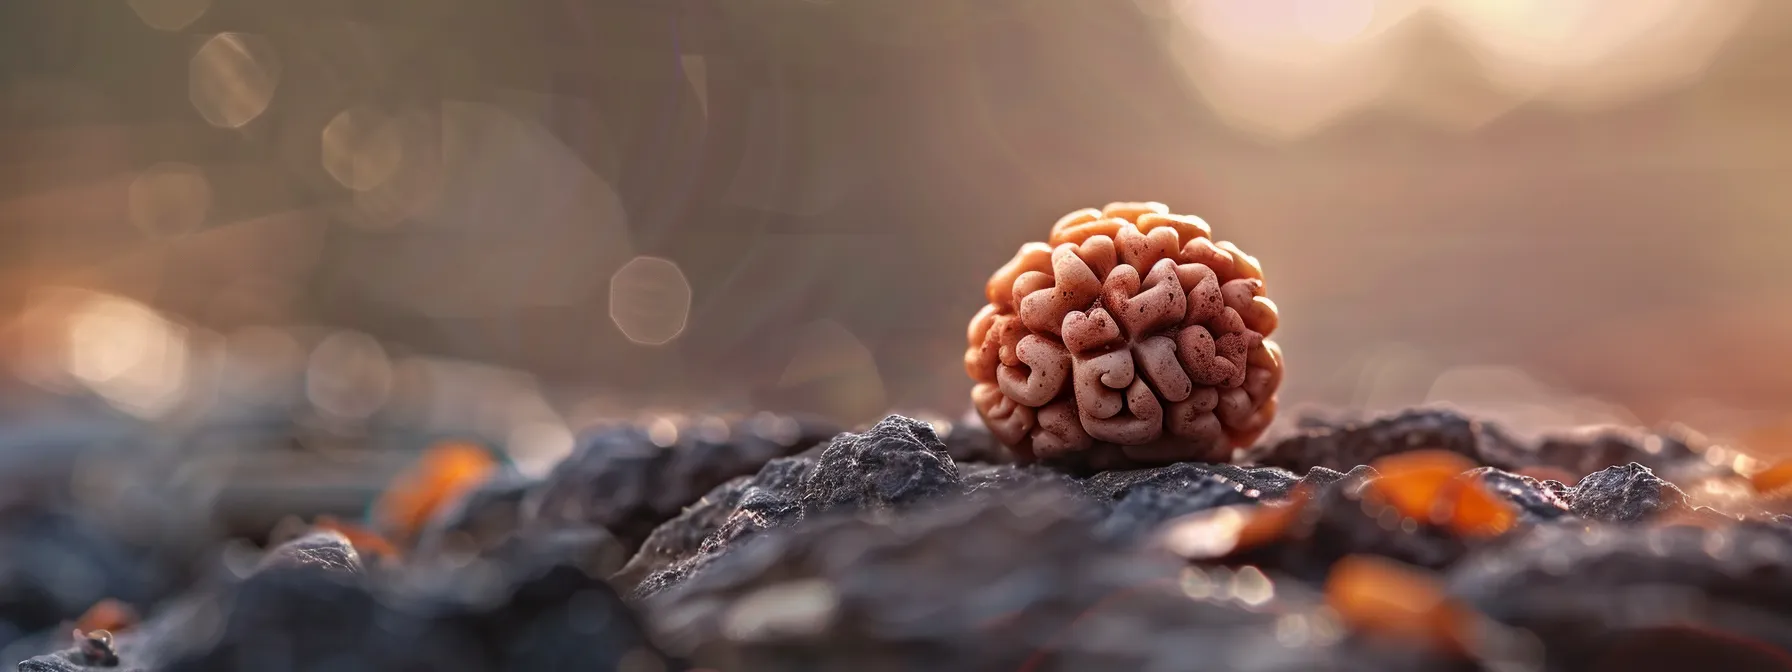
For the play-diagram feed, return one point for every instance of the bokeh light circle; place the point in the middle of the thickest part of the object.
(650, 300)
(169, 14)
(231, 79)
(361, 148)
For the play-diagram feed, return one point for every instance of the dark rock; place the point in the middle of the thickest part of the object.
(324, 550)
(1143, 499)
(70, 660)
(295, 616)
(890, 468)
(1559, 489)
(304, 617)
(896, 463)
(760, 509)
(1625, 494)
(1341, 446)
(93, 651)
(592, 550)
(973, 585)
(563, 619)
(129, 654)
(1142, 510)
(55, 563)
(1189, 477)
(1352, 482)
(618, 479)
(1319, 477)
(884, 550)
(1535, 501)
(680, 538)
(984, 480)
(1588, 450)
(1590, 593)
(1340, 442)
(1338, 521)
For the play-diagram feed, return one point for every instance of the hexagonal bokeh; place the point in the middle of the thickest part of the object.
(650, 300)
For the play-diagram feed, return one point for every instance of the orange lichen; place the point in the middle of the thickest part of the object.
(1430, 486)
(1131, 332)
(445, 472)
(1226, 530)
(107, 615)
(1381, 598)
(366, 542)
(1775, 481)
(1268, 523)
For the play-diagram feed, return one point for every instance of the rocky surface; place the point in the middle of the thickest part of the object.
(881, 549)
(970, 586)
(1605, 598)
(1625, 494)
(683, 535)
(622, 480)
(55, 562)
(310, 607)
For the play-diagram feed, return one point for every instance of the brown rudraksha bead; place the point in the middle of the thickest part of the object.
(1129, 337)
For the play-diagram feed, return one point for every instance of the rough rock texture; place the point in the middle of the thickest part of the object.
(897, 464)
(838, 568)
(54, 563)
(683, 535)
(879, 550)
(619, 479)
(323, 550)
(1141, 511)
(1625, 494)
(1587, 451)
(1343, 442)
(1536, 501)
(1189, 477)
(994, 480)
(1143, 499)
(309, 607)
(972, 586)
(126, 656)
(1597, 598)
(894, 464)
(1344, 445)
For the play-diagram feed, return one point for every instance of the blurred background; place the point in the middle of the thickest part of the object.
(324, 225)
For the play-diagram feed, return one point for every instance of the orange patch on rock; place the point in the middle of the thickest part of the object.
(444, 473)
(1775, 481)
(1380, 597)
(107, 614)
(1430, 486)
(1270, 522)
(1228, 530)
